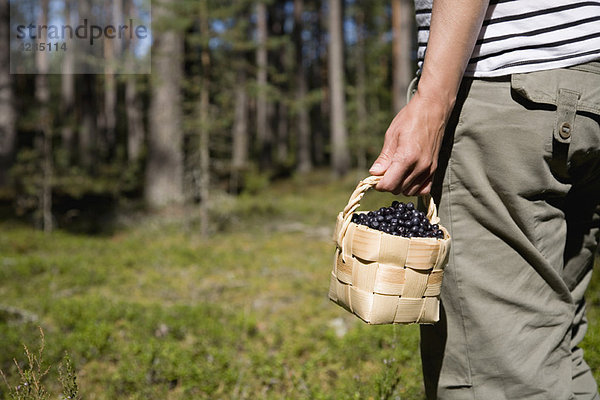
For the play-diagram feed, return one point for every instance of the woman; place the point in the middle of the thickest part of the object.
(504, 130)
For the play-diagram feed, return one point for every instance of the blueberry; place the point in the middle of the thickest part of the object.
(399, 219)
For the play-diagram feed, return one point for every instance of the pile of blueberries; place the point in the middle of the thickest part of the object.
(400, 219)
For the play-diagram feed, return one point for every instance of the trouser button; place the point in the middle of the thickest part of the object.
(565, 130)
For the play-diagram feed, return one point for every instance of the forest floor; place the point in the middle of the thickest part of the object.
(154, 311)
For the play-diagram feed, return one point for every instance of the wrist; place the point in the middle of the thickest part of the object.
(436, 98)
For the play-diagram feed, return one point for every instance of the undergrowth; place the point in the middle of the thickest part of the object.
(30, 378)
(155, 311)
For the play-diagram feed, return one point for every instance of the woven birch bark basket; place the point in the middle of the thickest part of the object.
(386, 279)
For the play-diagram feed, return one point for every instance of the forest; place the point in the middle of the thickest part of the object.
(168, 198)
(240, 92)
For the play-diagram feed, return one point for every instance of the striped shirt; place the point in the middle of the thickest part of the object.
(526, 35)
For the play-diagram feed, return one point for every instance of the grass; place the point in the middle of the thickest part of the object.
(154, 311)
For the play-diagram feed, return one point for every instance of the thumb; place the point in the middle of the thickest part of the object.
(381, 164)
(390, 143)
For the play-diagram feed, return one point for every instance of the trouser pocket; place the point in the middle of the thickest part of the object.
(573, 152)
(574, 143)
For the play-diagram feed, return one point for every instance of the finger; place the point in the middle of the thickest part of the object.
(394, 178)
(418, 182)
(425, 189)
(383, 162)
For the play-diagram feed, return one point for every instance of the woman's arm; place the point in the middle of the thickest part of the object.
(412, 143)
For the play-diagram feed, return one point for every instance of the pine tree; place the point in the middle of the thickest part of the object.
(402, 16)
(7, 111)
(164, 165)
(264, 133)
(339, 136)
(304, 142)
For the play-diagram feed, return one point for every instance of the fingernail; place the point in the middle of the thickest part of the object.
(376, 168)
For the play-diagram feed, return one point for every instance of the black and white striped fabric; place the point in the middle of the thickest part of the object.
(526, 35)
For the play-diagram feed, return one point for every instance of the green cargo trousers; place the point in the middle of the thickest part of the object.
(518, 187)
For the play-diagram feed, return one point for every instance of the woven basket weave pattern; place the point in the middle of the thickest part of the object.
(382, 278)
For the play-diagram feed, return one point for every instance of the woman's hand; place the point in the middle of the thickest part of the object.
(412, 143)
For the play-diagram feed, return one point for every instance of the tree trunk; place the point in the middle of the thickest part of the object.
(116, 8)
(282, 133)
(401, 50)
(110, 100)
(68, 90)
(278, 110)
(319, 137)
(89, 127)
(339, 136)
(111, 52)
(7, 111)
(204, 155)
(135, 121)
(164, 168)
(204, 126)
(87, 100)
(263, 129)
(133, 103)
(304, 159)
(240, 129)
(322, 116)
(42, 96)
(361, 101)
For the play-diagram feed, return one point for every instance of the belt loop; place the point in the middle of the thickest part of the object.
(566, 107)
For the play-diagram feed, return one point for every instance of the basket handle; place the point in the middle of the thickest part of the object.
(354, 202)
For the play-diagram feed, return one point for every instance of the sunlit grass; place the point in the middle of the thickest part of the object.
(155, 311)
